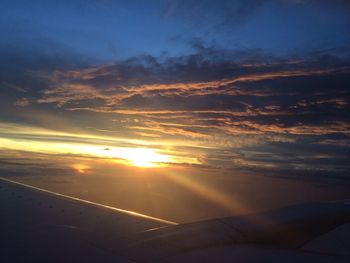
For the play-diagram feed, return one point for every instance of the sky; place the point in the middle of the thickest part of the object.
(222, 86)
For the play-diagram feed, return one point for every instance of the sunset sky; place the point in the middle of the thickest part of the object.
(227, 86)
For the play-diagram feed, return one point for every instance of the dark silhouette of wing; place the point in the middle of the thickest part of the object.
(42, 226)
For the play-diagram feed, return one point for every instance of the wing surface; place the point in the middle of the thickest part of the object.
(41, 226)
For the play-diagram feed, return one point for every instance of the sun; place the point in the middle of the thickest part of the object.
(138, 157)
(143, 157)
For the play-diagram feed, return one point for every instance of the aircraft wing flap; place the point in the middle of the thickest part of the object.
(335, 242)
(287, 228)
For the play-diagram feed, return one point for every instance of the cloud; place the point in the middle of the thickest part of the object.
(283, 96)
(217, 103)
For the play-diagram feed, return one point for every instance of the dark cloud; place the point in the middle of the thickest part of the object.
(287, 94)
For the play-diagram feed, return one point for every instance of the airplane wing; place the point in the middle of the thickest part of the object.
(42, 226)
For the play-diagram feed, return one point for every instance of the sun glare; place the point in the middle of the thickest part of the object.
(143, 157)
(138, 156)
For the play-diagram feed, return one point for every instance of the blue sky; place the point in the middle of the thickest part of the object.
(110, 30)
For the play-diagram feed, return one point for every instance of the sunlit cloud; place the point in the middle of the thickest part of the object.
(74, 87)
(207, 109)
(51, 142)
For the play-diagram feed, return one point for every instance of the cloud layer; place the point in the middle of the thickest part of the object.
(233, 109)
